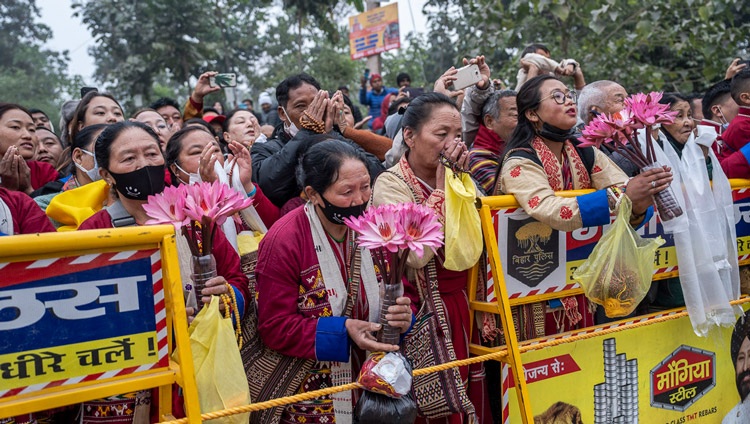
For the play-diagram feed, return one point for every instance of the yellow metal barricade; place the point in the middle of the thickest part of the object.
(503, 300)
(91, 314)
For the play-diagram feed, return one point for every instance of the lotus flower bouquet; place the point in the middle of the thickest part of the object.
(196, 210)
(391, 232)
(619, 132)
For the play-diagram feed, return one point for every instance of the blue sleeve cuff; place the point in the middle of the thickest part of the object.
(745, 150)
(647, 218)
(240, 305)
(332, 340)
(413, 320)
(594, 208)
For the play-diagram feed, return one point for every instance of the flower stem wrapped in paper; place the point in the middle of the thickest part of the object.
(620, 134)
(391, 232)
(617, 274)
(195, 210)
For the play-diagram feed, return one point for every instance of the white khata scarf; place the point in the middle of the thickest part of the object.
(6, 219)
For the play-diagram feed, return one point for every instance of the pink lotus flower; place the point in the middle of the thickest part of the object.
(379, 227)
(421, 226)
(646, 111)
(216, 201)
(599, 130)
(167, 207)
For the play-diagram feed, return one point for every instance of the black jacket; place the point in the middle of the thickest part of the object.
(275, 162)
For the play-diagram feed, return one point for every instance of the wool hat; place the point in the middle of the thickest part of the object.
(264, 98)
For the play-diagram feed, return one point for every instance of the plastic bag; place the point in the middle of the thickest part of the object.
(617, 274)
(219, 373)
(386, 373)
(387, 397)
(463, 228)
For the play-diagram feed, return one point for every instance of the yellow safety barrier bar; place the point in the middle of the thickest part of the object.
(35, 252)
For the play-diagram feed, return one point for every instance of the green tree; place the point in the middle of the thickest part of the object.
(289, 52)
(647, 44)
(30, 74)
(140, 43)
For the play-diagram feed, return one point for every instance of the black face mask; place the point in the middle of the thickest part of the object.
(557, 134)
(141, 183)
(337, 214)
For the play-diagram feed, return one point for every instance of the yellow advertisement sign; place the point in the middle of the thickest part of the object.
(657, 373)
(374, 32)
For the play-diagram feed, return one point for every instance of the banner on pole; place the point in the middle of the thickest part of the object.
(374, 32)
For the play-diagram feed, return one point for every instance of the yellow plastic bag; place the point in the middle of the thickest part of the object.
(219, 373)
(463, 228)
(617, 274)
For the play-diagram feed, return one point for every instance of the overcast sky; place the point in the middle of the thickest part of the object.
(70, 33)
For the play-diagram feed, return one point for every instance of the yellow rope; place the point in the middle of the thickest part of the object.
(499, 356)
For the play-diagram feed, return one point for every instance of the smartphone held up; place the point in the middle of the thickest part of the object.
(223, 80)
(466, 77)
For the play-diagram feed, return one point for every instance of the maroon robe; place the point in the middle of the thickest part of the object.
(28, 218)
(41, 173)
(294, 314)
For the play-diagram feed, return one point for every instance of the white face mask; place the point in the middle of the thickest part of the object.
(92, 173)
(193, 178)
(290, 128)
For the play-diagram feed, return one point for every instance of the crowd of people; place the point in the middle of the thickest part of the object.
(309, 159)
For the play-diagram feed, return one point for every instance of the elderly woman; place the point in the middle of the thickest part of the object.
(318, 296)
(131, 162)
(542, 157)
(432, 127)
(18, 146)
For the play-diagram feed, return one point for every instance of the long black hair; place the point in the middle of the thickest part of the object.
(527, 100)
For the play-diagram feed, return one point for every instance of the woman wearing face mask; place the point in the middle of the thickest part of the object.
(542, 157)
(431, 129)
(132, 164)
(18, 146)
(70, 209)
(307, 311)
(192, 154)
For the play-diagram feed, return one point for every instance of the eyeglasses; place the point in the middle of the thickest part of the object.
(559, 97)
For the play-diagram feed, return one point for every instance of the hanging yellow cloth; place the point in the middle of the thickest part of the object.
(74, 206)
